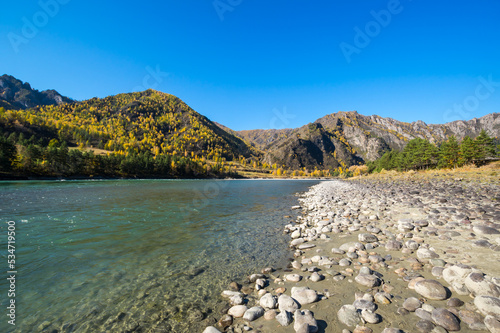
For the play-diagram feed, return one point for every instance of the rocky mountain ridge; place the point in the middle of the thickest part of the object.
(347, 138)
(16, 94)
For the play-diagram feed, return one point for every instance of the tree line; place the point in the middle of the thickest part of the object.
(38, 158)
(421, 154)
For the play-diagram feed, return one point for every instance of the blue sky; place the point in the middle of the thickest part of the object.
(265, 64)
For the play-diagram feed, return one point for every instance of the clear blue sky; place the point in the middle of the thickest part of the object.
(280, 63)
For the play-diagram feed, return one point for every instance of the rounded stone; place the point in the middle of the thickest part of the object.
(367, 238)
(237, 311)
(426, 254)
(492, 324)
(268, 301)
(393, 245)
(488, 305)
(270, 314)
(478, 285)
(363, 304)
(411, 304)
(304, 295)
(445, 319)
(485, 230)
(284, 318)
(370, 317)
(471, 318)
(362, 329)
(431, 289)
(348, 315)
(253, 313)
(368, 280)
(392, 330)
(225, 321)
(286, 303)
(424, 326)
(303, 318)
(454, 302)
(293, 277)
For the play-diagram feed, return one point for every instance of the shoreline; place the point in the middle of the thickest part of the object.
(390, 242)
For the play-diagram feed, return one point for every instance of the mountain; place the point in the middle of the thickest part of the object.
(148, 121)
(348, 138)
(15, 94)
(160, 124)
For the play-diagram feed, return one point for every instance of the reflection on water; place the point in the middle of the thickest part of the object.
(137, 254)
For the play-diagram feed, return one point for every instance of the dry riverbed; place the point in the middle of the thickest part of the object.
(406, 255)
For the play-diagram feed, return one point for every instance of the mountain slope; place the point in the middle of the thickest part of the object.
(15, 94)
(348, 138)
(148, 121)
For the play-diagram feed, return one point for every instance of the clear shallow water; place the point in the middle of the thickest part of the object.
(137, 255)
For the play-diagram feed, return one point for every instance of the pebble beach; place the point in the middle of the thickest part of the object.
(373, 255)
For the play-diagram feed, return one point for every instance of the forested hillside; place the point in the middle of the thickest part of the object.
(140, 130)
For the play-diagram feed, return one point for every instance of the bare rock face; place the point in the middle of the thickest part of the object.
(313, 144)
(15, 94)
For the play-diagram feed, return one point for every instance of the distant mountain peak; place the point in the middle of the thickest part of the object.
(16, 94)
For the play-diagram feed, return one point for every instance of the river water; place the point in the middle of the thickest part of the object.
(136, 255)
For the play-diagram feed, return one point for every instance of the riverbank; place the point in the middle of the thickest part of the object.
(379, 254)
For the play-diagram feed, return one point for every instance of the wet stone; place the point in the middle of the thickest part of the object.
(225, 321)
